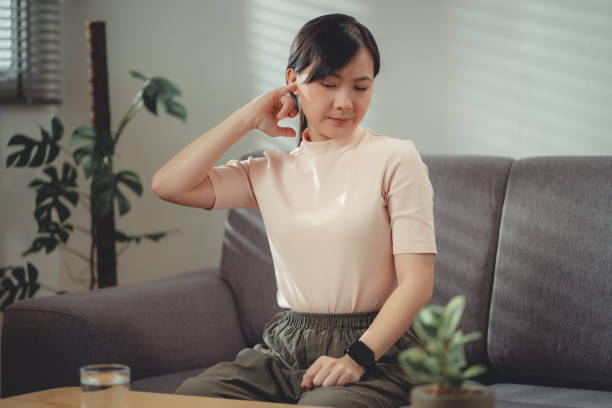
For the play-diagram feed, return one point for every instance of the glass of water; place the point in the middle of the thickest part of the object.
(105, 385)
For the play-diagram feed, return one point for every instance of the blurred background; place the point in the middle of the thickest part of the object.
(508, 78)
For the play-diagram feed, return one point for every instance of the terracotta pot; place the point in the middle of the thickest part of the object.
(480, 397)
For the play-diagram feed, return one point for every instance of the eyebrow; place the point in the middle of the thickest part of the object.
(366, 78)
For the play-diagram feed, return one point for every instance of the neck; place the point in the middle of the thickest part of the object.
(313, 135)
(337, 144)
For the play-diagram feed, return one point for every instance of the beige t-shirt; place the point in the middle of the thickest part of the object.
(335, 212)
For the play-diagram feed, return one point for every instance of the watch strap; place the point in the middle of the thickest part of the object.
(362, 354)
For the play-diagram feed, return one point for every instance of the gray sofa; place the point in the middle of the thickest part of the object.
(528, 241)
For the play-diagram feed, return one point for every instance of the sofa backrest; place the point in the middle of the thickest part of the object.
(551, 313)
(246, 265)
(468, 195)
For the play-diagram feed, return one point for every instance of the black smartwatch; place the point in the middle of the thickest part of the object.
(362, 354)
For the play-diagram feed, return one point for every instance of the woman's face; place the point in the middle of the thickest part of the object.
(344, 94)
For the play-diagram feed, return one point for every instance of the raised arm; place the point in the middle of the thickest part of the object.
(183, 180)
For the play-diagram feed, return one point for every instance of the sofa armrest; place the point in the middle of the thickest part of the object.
(185, 322)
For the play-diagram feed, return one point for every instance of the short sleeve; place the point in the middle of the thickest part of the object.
(233, 185)
(409, 196)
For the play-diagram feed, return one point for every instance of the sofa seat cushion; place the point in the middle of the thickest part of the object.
(551, 396)
(510, 404)
(165, 384)
(506, 395)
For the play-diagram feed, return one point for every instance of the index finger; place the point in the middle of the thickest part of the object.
(311, 372)
(287, 88)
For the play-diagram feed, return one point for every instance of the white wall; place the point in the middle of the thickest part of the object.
(506, 78)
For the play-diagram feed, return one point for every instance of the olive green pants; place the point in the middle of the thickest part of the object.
(272, 371)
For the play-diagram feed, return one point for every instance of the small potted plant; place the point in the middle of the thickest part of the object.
(439, 364)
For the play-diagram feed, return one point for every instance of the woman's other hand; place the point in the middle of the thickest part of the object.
(329, 371)
(268, 108)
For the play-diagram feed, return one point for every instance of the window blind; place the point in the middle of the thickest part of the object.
(30, 53)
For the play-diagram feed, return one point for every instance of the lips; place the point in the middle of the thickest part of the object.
(339, 121)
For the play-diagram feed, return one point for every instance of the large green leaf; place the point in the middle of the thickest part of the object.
(153, 236)
(49, 243)
(17, 285)
(131, 180)
(57, 128)
(427, 333)
(102, 191)
(418, 364)
(432, 364)
(56, 233)
(175, 109)
(427, 322)
(35, 153)
(122, 202)
(49, 194)
(149, 98)
(474, 371)
(452, 315)
(83, 134)
(98, 151)
(452, 378)
(456, 356)
(431, 315)
(105, 189)
(415, 355)
(159, 89)
(460, 339)
(435, 347)
(138, 75)
(167, 90)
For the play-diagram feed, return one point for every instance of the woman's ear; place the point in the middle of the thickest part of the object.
(292, 77)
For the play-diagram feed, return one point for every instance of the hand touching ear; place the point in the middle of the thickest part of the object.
(288, 108)
(267, 109)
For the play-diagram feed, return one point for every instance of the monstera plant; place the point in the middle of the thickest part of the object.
(58, 194)
(440, 364)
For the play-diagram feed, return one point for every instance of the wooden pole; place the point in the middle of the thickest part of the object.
(103, 229)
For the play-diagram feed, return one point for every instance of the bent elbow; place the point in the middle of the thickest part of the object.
(157, 188)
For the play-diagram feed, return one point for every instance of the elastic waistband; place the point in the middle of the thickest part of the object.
(358, 320)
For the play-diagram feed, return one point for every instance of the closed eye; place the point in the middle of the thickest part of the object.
(333, 86)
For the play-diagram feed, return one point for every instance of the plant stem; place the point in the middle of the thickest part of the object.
(123, 249)
(134, 108)
(66, 150)
(92, 281)
(72, 278)
(82, 229)
(74, 251)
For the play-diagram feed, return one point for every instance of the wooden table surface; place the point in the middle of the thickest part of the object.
(71, 397)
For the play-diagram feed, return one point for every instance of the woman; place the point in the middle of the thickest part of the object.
(349, 219)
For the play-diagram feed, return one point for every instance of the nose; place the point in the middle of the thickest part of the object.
(342, 100)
